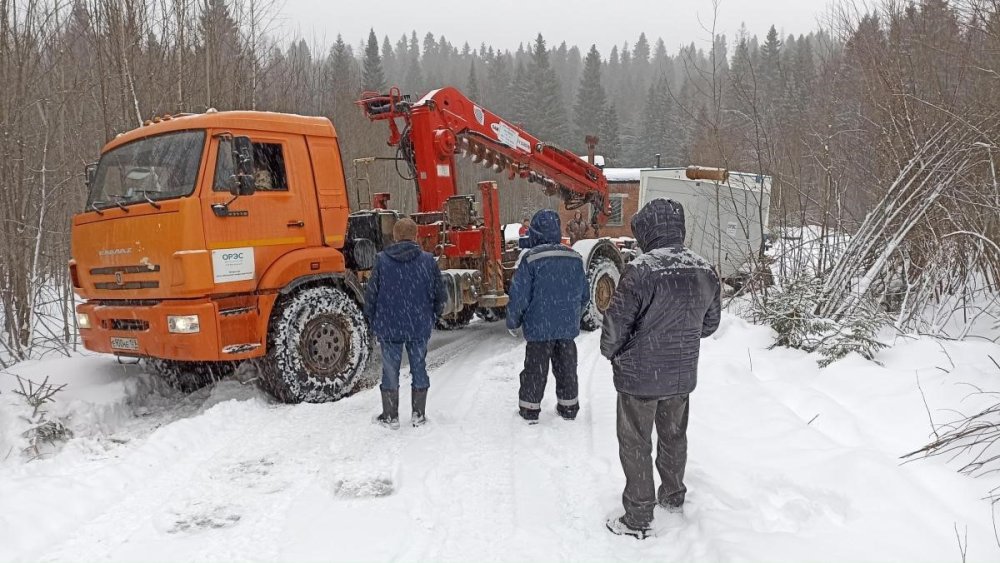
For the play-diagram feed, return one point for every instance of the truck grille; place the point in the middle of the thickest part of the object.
(131, 325)
(110, 270)
(128, 285)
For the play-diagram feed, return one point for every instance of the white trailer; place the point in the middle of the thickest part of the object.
(726, 218)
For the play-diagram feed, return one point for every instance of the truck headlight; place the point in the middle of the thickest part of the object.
(183, 324)
(83, 320)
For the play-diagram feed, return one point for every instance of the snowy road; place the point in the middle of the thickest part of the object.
(787, 462)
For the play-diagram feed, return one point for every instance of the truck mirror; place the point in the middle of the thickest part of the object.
(90, 172)
(243, 167)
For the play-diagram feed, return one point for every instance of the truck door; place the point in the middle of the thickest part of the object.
(262, 227)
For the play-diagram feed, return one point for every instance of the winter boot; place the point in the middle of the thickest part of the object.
(419, 401)
(529, 415)
(673, 504)
(390, 409)
(618, 527)
(567, 413)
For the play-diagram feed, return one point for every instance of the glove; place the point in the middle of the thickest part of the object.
(515, 332)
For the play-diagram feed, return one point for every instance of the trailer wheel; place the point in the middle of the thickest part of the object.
(603, 276)
(457, 320)
(317, 347)
(189, 376)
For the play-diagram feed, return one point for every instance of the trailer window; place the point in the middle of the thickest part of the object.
(153, 168)
(617, 205)
(269, 167)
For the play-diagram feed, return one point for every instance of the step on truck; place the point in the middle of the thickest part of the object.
(213, 239)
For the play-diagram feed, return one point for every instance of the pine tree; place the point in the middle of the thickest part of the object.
(373, 79)
(589, 109)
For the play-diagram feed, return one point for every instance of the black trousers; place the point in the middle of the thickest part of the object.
(636, 418)
(562, 355)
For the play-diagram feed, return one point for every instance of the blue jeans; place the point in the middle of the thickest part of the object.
(392, 357)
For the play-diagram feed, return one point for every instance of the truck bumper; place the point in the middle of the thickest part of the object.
(142, 331)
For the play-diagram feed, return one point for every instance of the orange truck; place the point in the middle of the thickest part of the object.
(212, 239)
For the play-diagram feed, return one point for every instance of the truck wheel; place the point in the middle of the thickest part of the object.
(603, 276)
(457, 320)
(491, 314)
(317, 347)
(189, 376)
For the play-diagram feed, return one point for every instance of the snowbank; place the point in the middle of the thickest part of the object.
(96, 399)
(787, 462)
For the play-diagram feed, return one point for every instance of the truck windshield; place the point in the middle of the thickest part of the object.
(154, 168)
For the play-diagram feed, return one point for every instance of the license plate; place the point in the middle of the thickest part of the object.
(131, 344)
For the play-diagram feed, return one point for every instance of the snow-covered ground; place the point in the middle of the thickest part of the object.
(787, 463)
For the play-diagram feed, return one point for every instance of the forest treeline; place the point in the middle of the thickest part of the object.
(837, 115)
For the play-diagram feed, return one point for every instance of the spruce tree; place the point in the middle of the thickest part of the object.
(373, 79)
(611, 143)
(341, 64)
(589, 110)
(472, 85)
(546, 116)
(414, 79)
(655, 125)
(497, 95)
(770, 63)
(388, 60)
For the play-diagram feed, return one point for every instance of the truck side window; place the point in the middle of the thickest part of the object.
(269, 161)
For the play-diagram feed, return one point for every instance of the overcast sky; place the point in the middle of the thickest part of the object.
(506, 23)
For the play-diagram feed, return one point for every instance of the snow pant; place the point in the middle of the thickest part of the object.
(636, 418)
(562, 354)
(392, 357)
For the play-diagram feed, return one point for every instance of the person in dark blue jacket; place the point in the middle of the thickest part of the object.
(403, 298)
(547, 297)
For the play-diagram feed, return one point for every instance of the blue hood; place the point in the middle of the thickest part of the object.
(545, 228)
(659, 224)
(403, 251)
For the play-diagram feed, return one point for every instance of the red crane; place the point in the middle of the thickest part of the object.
(445, 123)
(430, 133)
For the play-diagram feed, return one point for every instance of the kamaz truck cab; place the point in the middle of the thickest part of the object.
(213, 238)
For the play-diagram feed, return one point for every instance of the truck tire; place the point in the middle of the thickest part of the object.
(318, 345)
(457, 320)
(189, 376)
(603, 276)
(491, 314)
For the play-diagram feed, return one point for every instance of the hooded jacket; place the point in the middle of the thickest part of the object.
(549, 289)
(668, 299)
(405, 293)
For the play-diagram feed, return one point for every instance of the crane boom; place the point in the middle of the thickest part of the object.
(445, 122)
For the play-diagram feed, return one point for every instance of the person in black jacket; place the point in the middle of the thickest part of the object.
(668, 299)
(403, 298)
(547, 297)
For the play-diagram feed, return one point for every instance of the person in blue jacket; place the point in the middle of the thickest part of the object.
(403, 298)
(547, 297)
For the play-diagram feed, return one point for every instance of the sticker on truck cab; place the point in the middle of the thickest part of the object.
(232, 264)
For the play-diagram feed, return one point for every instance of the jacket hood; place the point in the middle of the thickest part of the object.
(545, 228)
(660, 224)
(403, 251)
